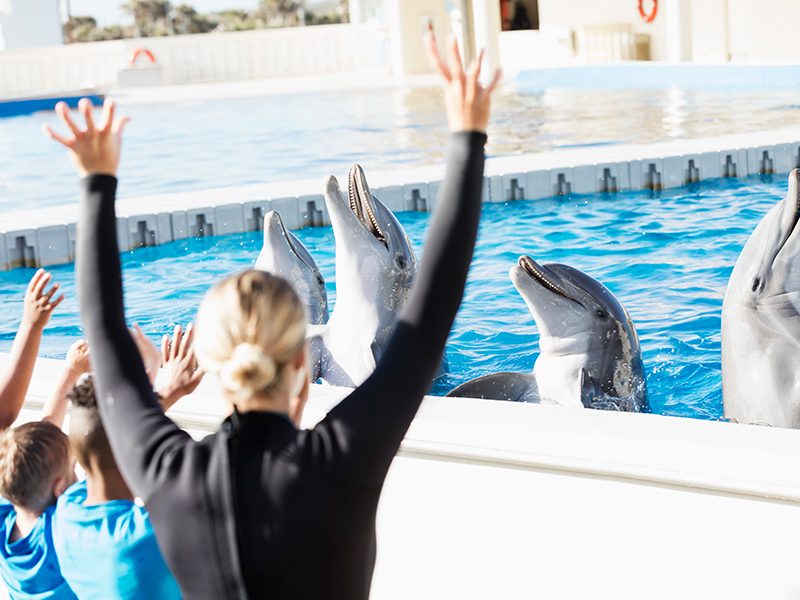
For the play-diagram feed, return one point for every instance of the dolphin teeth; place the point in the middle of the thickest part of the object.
(360, 204)
(530, 267)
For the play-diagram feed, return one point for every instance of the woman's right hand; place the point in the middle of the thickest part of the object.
(466, 101)
(95, 150)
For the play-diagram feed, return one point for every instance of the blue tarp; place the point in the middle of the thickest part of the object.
(27, 106)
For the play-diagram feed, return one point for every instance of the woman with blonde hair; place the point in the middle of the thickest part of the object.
(262, 508)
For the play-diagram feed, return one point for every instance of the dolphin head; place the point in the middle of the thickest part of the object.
(286, 256)
(761, 320)
(589, 347)
(375, 263)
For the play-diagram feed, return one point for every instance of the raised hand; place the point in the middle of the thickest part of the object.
(466, 101)
(95, 150)
(55, 409)
(78, 358)
(151, 357)
(178, 360)
(38, 304)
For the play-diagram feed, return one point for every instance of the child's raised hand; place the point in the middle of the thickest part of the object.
(78, 358)
(466, 101)
(95, 150)
(38, 304)
(180, 364)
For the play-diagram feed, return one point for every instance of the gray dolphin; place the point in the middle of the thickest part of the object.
(375, 266)
(286, 256)
(761, 321)
(590, 354)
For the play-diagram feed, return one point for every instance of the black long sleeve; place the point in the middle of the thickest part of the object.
(260, 505)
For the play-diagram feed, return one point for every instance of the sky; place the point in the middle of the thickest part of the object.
(107, 12)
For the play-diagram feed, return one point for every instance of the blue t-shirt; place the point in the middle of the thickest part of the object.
(29, 566)
(109, 551)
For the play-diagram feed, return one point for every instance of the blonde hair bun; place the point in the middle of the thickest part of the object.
(249, 329)
(249, 369)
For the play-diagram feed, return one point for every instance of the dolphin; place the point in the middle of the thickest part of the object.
(590, 354)
(286, 256)
(761, 321)
(375, 267)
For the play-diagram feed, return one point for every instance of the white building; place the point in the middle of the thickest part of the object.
(563, 32)
(29, 23)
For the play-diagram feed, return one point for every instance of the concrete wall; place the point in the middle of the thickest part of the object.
(29, 23)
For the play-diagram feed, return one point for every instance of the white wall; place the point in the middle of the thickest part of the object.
(406, 23)
(29, 24)
(574, 14)
(764, 29)
(197, 58)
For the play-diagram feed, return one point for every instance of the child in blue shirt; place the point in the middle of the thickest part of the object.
(35, 468)
(105, 542)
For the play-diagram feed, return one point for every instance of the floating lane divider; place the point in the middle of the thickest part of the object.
(36, 238)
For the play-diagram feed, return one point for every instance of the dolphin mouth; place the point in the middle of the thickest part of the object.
(537, 273)
(360, 198)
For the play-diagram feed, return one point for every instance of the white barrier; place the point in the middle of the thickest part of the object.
(514, 501)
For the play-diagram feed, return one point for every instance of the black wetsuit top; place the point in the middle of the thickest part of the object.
(261, 509)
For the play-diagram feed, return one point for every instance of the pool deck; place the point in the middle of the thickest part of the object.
(503, 500)
(44, 237)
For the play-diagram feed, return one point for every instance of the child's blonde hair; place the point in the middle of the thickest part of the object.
(32, 457)
(249, 328)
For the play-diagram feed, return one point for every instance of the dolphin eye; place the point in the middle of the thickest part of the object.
(600, 314)
(320, 280)
(756, 283)
(401, 262)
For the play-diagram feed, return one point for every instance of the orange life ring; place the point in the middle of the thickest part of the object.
(134, 54)
(651, 17)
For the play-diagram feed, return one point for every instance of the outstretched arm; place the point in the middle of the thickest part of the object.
(38, 306)
(76, 365)
(368, 426)
(143, 439)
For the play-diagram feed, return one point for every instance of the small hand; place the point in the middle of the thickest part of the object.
(78, 358)
(151, 357)
(183, 374)
(96, 150)
(466, 101)
(38, 304)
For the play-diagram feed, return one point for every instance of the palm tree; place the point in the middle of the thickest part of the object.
(152, 17)
(280, 13)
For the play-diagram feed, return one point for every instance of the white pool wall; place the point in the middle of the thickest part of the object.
(45, 237)
(494, 499)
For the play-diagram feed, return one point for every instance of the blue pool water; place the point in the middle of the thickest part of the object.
(187, 146)
(666, 255)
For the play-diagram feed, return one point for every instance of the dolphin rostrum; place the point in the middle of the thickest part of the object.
(375, 266)
(590, 354)
(286, 256)
(761, 321)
